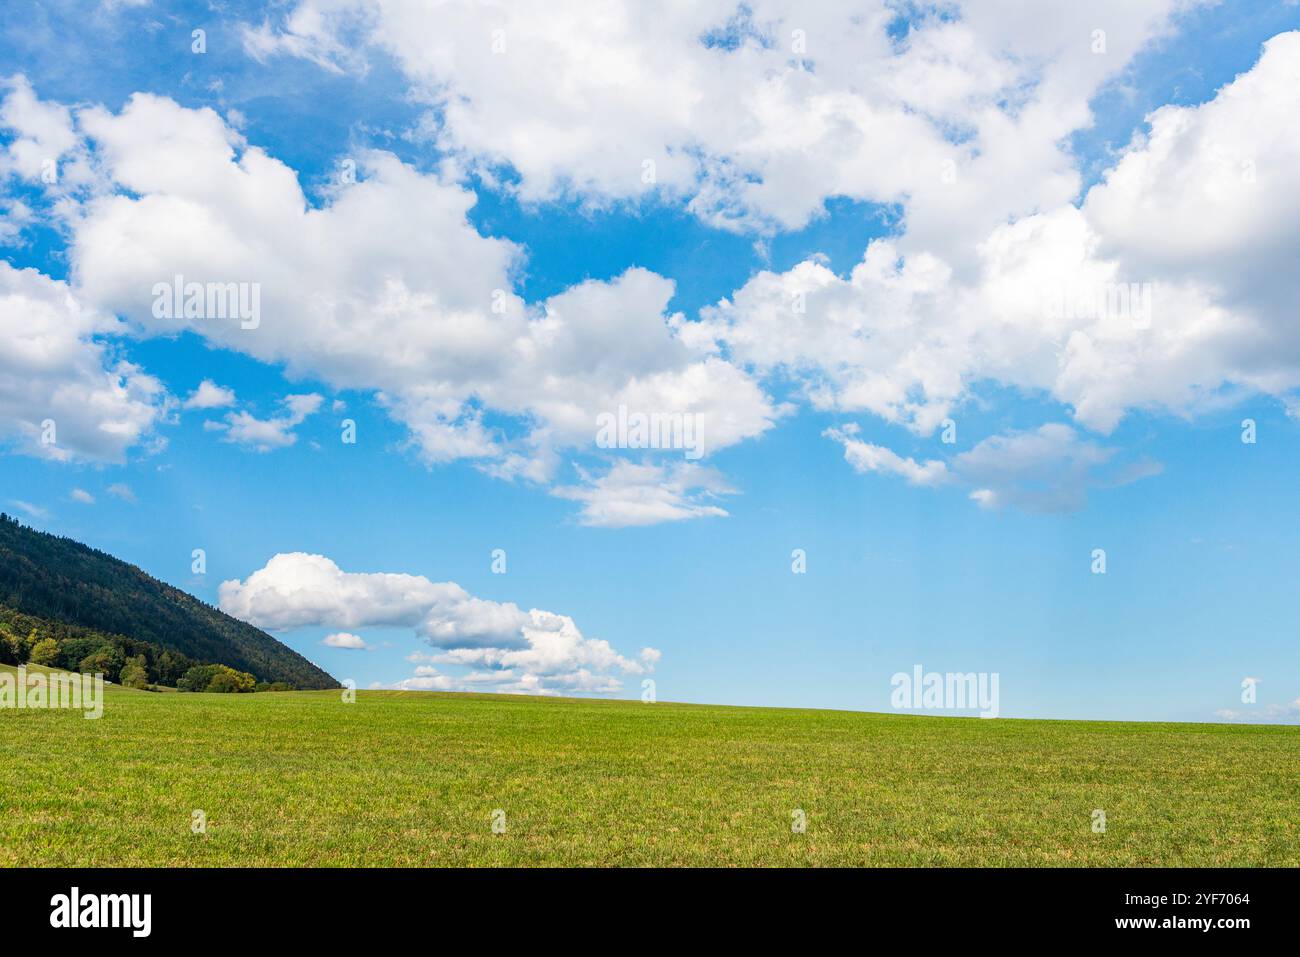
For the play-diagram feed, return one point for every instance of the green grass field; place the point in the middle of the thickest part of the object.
(413, 779)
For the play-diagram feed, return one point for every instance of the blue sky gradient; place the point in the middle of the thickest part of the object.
(1201, 558)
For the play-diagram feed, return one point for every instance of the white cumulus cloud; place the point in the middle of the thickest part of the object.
(385, 287)
(543, 650)
(64, 394)
(345, 639)
(209, 395)
(752, 114)
(1168, 289)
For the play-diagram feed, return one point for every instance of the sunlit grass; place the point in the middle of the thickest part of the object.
(413, 778)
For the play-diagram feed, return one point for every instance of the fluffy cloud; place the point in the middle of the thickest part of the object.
(385, 288)
(244, 428)
(42, 132)
(1167, 289)
(297, 590)
(752, 114)
(1212, 188)
(1000, 272)
(1048, 469)
(209, 395)
(64, 394)
(344, 639)
(535, 649)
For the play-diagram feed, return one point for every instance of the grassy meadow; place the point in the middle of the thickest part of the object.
(409, 778)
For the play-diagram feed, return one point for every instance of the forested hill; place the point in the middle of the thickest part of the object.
(57, 578)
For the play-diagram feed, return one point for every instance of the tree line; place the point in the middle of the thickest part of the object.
(25, 639)
(57, 579)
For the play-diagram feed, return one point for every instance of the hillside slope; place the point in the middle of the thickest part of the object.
(57, 578)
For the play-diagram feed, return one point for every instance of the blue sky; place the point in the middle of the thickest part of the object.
(966, 556)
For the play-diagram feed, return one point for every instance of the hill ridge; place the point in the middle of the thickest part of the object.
(59, 578)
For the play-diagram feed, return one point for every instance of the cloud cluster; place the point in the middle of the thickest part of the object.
(752, 114)
(385, 288)
(42, 132)
(244, 428)
(1167, 289)
(64, 393)
(525, 650)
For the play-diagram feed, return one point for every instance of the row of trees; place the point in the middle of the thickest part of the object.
(58, 580)
(91, 654)
(132, 664)
(217, 678)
